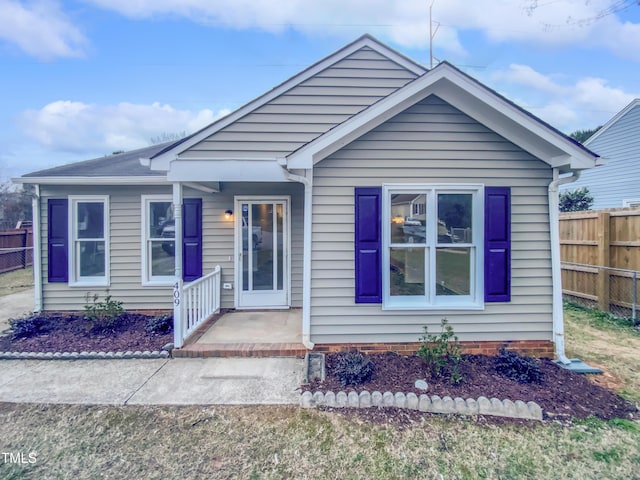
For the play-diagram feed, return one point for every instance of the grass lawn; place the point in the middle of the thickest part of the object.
(16, 281)
(274, 442)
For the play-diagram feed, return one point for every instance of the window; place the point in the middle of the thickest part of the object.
(432, 246)
(158, 240)
(89, 232)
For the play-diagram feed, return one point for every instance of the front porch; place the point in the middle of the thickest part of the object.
(273, 333)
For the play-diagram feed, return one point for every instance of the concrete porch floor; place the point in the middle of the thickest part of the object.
(249, 333)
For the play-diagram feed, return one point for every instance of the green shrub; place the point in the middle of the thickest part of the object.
(442, 353)
(518, 368)
(31, 326)
(104, 315)
(160, 325)
(352, 368)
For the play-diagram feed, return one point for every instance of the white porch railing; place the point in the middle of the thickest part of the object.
(194, 302)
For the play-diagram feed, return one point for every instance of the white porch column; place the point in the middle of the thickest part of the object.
(178, 321)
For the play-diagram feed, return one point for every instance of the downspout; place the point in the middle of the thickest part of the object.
(37, 249)
(556, 270)
(306, 255)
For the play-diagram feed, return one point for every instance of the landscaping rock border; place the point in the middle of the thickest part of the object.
(83, 355)
(424, 403)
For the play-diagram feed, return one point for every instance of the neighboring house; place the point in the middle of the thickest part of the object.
(615, 183)
(383, 196)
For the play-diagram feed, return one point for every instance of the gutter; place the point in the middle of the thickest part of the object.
(306, 256)
(556, 271)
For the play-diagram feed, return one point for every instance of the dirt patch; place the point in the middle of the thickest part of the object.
(561, 393)
(76, 334)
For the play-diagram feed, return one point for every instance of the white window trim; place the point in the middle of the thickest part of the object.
(76, 280)
(474, 301)
(147, 279)
(631, 202)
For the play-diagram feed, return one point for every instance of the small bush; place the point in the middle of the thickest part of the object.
(442, 353)
(104, 315)
(160, 325)
(518, 368)
(352, 368)
(30, 326)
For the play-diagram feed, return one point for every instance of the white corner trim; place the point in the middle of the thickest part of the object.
(37, 249)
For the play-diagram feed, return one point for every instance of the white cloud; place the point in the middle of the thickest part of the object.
(78, 127)
(559, 22)
(40, 29)
(567, 104)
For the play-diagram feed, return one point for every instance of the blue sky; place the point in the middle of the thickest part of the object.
(84, 78)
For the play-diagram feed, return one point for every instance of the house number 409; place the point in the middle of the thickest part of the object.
(176, 294)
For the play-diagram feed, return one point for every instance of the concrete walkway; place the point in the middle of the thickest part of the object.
(181, 381)
(15, 306)
(178, 381)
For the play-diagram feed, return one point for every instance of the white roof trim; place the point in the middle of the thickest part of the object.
(92, 180)
(161, 162)
(468, 96)
(614, 120)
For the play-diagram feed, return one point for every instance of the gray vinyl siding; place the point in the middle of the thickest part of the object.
(430, 142)
(618, 179)
(307, 110)
(126, 245)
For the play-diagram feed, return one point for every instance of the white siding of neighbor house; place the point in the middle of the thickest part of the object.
(126, 245)
(618, 179)
(431, 142)
(307, 110)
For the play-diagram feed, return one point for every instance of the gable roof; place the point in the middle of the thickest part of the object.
(160, 160)
(125, 164)
(469, 96)
(614, 120)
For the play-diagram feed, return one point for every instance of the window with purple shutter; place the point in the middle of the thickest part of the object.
(368, 244)
(58, 240)
(497, 244)
(191, 239)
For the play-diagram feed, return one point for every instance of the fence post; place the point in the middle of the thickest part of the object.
(635, 298)
(604, 260)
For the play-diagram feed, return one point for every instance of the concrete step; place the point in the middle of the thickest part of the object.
(209, 350)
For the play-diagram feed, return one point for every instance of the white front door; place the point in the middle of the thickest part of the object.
(262, 252)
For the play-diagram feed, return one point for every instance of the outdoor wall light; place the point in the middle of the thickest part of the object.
(228, 214)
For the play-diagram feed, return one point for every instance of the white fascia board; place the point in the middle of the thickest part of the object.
(237, 170)
(92, 180)
(612, 121)
(467, 96)
(161, 162)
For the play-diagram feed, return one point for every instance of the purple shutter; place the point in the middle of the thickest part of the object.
(191, 239)
(58, 240)
(497, 244)
(368, 244)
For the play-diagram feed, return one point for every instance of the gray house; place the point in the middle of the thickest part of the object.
(367, 194)
(615, 183)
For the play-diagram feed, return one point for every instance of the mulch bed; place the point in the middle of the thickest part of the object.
(561, 394)
(76, 334)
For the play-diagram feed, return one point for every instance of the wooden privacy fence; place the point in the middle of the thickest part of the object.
(16, 249)
(600, 253)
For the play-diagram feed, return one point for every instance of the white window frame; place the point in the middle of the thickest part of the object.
(75, 280)
(148, 280)
(631, 202)
(431, 301)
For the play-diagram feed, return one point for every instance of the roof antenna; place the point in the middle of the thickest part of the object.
(432, 33)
